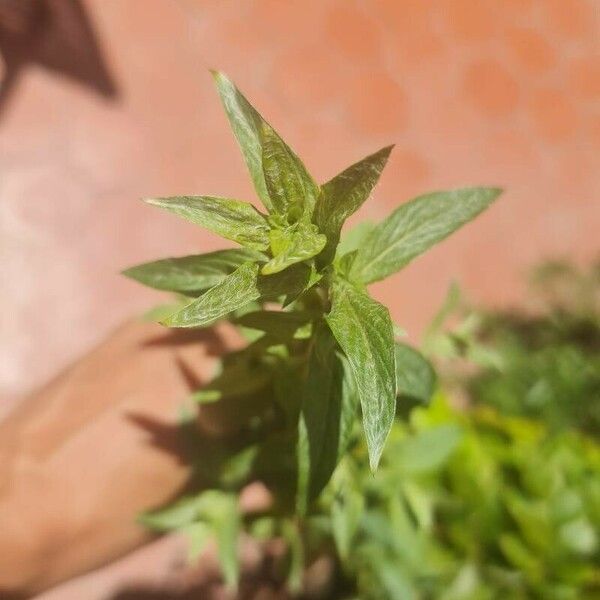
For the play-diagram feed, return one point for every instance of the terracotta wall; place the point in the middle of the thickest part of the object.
(472, 91)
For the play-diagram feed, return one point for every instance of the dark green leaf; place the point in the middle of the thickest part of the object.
(364, 331)
(416, 226)
(191, 273)
(237, 379)
(232, 219)
(292, 190)
(415, 377)
(279, 324)
(344, 195)
(328, 408)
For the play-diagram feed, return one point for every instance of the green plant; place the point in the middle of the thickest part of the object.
(543, 362)
(467, 505)
(328, 349)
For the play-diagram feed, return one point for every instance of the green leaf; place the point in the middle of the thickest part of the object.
(293, 536)
(227, 525)
(353, 239)
(240, 288)
(428, 449)
(292, 190)
(281, 325)
(327, 412)
(232, 219)
(238, 379)
(198, 535)
(246, 123)
(416, 226)
(363, 329)
(300, 242)
(346, 512)
(175, 516)
(343, 195)
(191, 273)
(236, 290)
(415, 377)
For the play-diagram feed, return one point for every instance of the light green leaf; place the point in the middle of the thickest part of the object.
(363, 329)
(191, 273)
(227, 525)
(198, 535)
(293, 537)
(301, 242)
(327, 412)
(245, 122)
(415, 377)
(343, 195)
(232, 219)
(428, 449)
(292, 190)
(346, 512)
(280, 325)
(240, 288)
(416, 226)
(175, 516)
(236, 290)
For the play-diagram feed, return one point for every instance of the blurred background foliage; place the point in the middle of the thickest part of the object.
(489, 490)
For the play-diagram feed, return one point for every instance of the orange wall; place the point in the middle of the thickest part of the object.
(503, 92)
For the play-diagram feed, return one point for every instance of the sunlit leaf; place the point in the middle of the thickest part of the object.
(416, 226)
(243, 286)
(232, 219)
(299, 243)
(343, 195)
(246, 123)
(292, 190)
(364, 331)
(191, 273)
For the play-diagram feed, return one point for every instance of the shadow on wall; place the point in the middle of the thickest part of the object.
(54, 34)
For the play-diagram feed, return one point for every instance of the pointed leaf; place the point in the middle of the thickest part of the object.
(416, 226)
(299, 243)
(328, 409)
(227, 524)
(198, 535)
(415, 377)
(232, 219)
(344, 195)
(428, 449)
(191, 273)
(292, 190)
(245, 122)
(237, 290)
(174, 516)
(363, 329)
